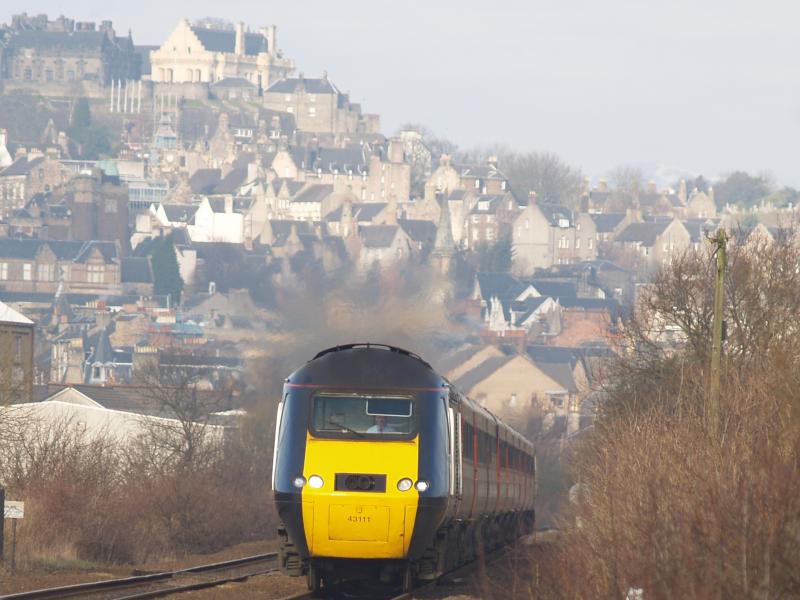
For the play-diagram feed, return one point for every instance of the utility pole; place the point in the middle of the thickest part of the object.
(720, 242)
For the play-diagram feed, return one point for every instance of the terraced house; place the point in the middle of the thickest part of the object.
(42, 266)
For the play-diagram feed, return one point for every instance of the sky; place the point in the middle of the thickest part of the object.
(701, 87)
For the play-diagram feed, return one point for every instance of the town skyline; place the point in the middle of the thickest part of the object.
(613, 86)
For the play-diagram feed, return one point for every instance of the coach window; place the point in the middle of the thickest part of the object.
(357, 416)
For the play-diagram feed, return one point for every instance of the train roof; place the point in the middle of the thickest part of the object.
(367, 366)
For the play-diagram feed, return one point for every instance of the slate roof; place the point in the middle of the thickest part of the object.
(224, 40)
(502, 285)
(420, 231)
(50, 40)
(179, 213)
(377, 236)
(696, 228)
(203, 181)
(352, 157)
(555, 213)
(645, 233)
(480, 172)
(488, 204)
(523, 310)
(292, 85)
(21, 166)
(136, 270)
(63, 250)
(107, 249)
(471, 378)
(102, 352)
(314, 193)
(555, 289)
(606, 222)
(592, 304)
(232, 181)
(363, 212)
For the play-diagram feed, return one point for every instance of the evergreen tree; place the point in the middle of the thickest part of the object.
(93, 140)
(165, 269)
(81, 115)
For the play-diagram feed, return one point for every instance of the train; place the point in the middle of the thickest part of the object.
(382, 469)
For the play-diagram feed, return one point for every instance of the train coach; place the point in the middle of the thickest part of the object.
(381, 468)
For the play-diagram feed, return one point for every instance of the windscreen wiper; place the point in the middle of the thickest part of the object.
(345, 427)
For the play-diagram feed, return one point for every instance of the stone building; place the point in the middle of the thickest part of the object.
(30, 174)
(319, 107)
(547, 234)
(490, 219)
(99, 206)
(42, 266)
(16, 356)
(65, 57)
(195, 54)
(482, 179)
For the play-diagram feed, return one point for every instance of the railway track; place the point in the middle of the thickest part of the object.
(541, 536)
(372, 594)
(158, 585)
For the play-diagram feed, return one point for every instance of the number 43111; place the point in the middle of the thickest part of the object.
(358, 519)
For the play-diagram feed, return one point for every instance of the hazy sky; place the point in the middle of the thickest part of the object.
(702, 86)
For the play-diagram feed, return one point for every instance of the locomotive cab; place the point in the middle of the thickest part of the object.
(362, 464)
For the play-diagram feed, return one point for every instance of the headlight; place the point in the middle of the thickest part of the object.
(315, 481)
(404, 484)
(421, 486)
(299, 481)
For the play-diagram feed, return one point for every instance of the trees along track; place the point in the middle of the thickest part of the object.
(157, 585)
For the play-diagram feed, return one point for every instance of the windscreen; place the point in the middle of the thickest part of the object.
(362, 416)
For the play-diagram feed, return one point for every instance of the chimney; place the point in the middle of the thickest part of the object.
(239, 39)
(602, 185)
(228, 204)
(492, 161)
(651, 187)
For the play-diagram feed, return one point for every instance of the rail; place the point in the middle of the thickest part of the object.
(165, 578)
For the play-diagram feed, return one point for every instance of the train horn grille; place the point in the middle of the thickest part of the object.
(360, 482)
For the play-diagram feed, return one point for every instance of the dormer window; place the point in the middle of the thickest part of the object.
(563, 223)
(483, 205)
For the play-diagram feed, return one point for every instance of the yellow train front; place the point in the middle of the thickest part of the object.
(369, 470)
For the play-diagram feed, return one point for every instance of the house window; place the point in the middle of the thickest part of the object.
(490, 234)
(46, 272)
(96, 273)
(578, 244)
(28, 74)
(48, 75)
(477, 184)
(71, 75)
(474, 235)
(312, 111)
(18, 349)
(96, 372)
(110, 205)
(4, 270)
(26, 272)
(590, 243)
